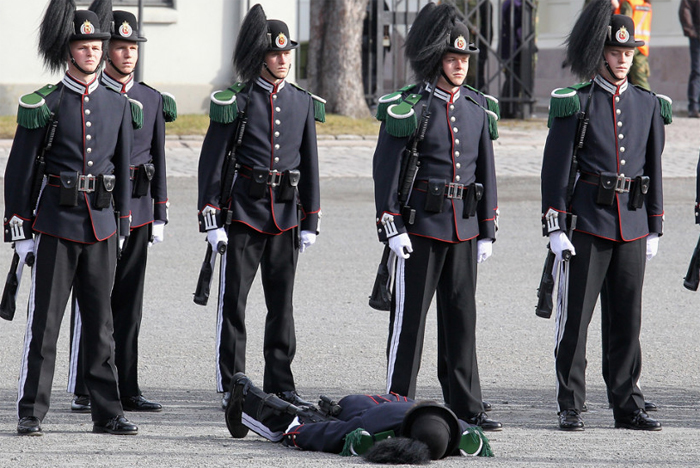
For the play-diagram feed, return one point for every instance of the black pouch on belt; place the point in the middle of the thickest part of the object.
(258, 182)
(606, 188)
(435, 197)
(288, 188)
(472, 195)
(638, 192)
(142, 179)
(69, 188)
(104, 185)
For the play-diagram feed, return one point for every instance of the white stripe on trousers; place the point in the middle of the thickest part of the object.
(75, 348)
(220, 321)
(400, 297)
(562, 313)
(28, 333)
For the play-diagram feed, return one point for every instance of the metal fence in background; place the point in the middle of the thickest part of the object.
(503, 30)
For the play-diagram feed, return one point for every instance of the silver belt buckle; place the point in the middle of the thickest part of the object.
(623, 184)
(86, 183)
(455, 190)
(275, 178)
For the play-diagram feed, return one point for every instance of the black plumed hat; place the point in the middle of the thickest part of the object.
(55, 33)
(584, 46)
(428, 39)
(251, 45)
(103, 10)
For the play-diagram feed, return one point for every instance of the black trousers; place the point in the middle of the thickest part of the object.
(58, 266)
(619, 268)
(127, 311)
(449, 270)
(276, 256)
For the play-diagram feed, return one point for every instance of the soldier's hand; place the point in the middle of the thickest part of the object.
(214, 236)
(401, 245)
(652, 245)
(559, 242)
(23, 247)
(307, 240)
(484, 248)
(157, 232)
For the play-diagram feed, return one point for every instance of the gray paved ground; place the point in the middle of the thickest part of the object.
(341, 340)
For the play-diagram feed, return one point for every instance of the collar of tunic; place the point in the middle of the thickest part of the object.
(442, 94)
(609, 87)
(117, 85)
(270, 87)
(78, 86)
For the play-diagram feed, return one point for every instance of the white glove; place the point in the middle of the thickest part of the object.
(122, 239)
(214, 236)
(398, 243)
(484, 249)
(652, 245)
(307, 240)
(157, 232)
(23, 247)
(558, 242)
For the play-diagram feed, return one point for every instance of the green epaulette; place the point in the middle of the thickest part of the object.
(391, 99)
(491, 102)
(666, 108)
(223, 107)
(492, 116)
(33, 111)
(401, 119)
(319, 104)
(565, 101)
(136, 113)
(169, 104)
(169, 107)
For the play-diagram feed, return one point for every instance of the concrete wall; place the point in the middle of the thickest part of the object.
(188, 53)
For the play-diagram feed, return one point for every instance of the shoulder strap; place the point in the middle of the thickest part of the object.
(565, 102)
(319, 104)
(391, 99)
(401, 120)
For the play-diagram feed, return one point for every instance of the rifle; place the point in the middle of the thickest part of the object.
(8, 305)
(380, 299)
(692, 277)
(201, 293)
(545, 290)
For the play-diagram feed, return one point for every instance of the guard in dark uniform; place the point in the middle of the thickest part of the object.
(149, 214)
(271, 212)
(614, 218)
(449, 221)
(354, 425)
(80, 217)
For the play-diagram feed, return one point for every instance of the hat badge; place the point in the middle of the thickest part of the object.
(460, 43)
(281, 41)
(87, 28)
(125, 29)
(622, 35)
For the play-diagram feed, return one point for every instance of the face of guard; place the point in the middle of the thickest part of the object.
(455, 67)
(123, 55)
(619, 61)
(87, 55)
(277, 65)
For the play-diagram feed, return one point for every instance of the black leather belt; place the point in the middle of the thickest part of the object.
(452, 190)
(86, 183)
(622, 184)
(274, 177)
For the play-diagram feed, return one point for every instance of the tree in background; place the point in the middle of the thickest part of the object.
(335, 55)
